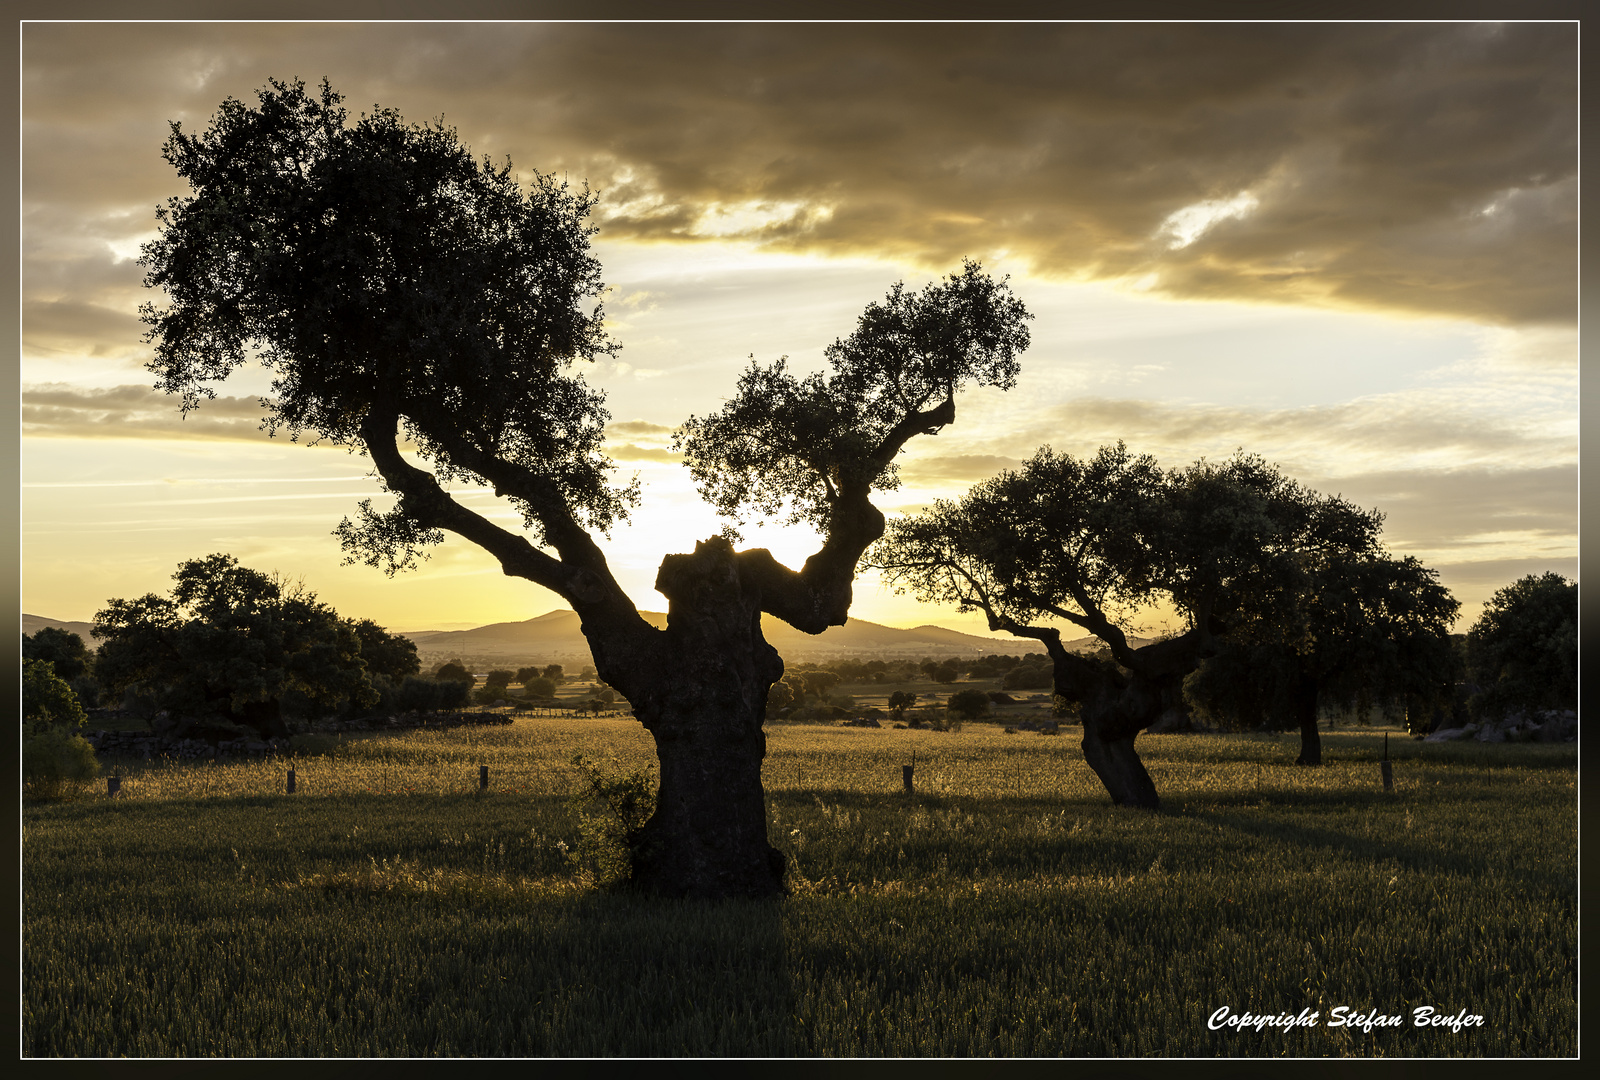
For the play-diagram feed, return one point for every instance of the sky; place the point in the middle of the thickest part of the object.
(1349, 248)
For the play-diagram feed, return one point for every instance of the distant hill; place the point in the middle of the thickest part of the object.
(555, 636)
(32, 624)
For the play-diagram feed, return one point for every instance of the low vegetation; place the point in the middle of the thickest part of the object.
(389, 907)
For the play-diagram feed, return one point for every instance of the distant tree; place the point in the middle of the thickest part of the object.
(402, 292)
(533, 671)
(553, 673)
(454, 671)
(539, 688)
(1523, 650)
(389, 655)
(65, 650)
(899, 702)
(1088, 543)
(499, 677)
(227, 646)
(968, 704)
(1029, 677)
(1354, 630)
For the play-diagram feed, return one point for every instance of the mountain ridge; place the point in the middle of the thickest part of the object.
(556, 635)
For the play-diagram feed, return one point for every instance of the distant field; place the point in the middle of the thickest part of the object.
(388, 908)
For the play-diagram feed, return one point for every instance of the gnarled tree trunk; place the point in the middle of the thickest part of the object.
(705, 706)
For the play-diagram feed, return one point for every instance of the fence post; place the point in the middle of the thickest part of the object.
(905, 772)
(113, 786)
(289, 781)
(483, 778)
(1384, 766)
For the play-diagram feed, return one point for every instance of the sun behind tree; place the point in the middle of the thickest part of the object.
(400, 290)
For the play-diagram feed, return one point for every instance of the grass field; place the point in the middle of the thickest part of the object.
(389, 908)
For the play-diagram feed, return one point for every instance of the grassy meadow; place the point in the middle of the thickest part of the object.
(390, 908)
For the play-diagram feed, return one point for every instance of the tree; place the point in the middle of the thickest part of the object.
(900, 701)
(454, 671)
(968, 704)
(1088, 543)
(229, 647)
(1523, 650)
(54, 755)
(65, 650)
(1353, 630)
(48, 703)
(397, 288)
(553, 673)
(389, 655)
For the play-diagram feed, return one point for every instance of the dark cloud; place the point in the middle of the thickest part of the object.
(1415, 167)
(134, 412)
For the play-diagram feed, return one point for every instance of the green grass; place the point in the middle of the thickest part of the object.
(388, 908)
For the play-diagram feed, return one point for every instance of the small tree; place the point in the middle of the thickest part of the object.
(553, 673)
(1523, 650)
(899, 702)
(454, 671)
(65, 650)
(55, 758)
(400, 290)
(968, 704)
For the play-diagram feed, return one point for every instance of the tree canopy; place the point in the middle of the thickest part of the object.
(1523, 650)
(231, 644)
(1092, 542)
(1357, 630)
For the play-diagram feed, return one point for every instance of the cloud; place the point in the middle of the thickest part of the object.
(1334, 439)
(638, 429)
(632, 452)
(1424, 168)
(54, 410)
(968, 467)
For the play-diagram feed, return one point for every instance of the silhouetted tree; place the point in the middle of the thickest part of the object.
(1352, 629)
(968, 704)
(229, 644)
(65, 650)
(398, 289)
(1089, 542)
(389, 655)
(1523, 650)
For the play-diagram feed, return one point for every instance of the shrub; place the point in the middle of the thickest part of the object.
(48, 703)
(968, 704)
(56, 764)
(612, 807)
(417, 694)
(1030, 677)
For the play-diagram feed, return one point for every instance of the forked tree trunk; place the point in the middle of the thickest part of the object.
(1117, 764)
(705, 706)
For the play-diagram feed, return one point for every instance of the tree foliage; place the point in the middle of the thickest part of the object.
(65, 650)
(232, 644)
(48, 703)
(793, 446)
(1358, 631)
(1523, 650)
